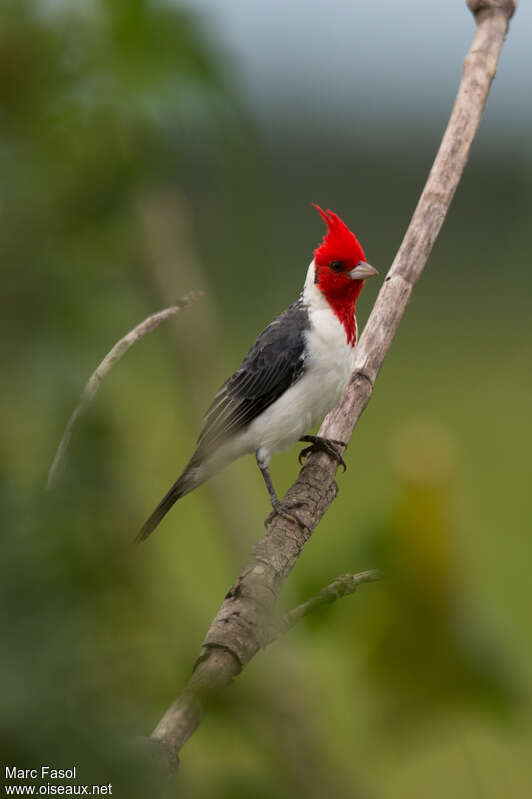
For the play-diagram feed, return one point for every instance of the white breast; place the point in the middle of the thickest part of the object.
(331, 358)
(329, 363)
(328, 367)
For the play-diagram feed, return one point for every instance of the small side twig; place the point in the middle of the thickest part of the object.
(112, 357)
(342, 586)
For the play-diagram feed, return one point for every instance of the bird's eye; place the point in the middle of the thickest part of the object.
(336, 266)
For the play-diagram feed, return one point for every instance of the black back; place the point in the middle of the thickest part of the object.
(273, 364)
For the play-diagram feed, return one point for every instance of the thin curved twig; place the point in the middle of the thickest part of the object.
(112, 357)
(342, 586)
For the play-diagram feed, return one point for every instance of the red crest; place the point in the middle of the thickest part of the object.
(339, 243)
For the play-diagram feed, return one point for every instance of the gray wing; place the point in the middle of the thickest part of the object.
(273, 364)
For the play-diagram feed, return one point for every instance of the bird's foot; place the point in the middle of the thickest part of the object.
(284, 510)
(320, 444)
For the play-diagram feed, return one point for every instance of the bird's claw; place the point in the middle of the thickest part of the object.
(304, 454)
(328, 445)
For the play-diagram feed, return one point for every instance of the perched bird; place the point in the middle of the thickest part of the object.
(292, 376)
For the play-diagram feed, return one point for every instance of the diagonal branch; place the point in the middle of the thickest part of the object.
(240, 628)
(342, 586)
(112, 357)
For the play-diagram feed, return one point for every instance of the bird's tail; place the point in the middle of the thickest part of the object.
(187, 482)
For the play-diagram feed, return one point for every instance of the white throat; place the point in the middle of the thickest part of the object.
(311, 295)
(321, 313)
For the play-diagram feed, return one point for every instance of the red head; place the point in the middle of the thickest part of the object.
(340, 270)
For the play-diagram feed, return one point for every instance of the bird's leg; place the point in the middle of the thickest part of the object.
(320, 444)
(277, 505)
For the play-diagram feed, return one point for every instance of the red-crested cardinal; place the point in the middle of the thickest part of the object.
(292, 376)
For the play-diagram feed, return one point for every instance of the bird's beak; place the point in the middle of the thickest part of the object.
(362, 271)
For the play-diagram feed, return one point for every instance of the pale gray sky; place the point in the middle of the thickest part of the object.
(382, 60)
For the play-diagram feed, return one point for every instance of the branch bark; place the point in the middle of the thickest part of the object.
(112, 357)
(241, 626)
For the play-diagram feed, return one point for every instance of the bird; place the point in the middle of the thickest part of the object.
(294, 373)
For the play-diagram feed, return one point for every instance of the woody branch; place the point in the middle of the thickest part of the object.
(242, 625)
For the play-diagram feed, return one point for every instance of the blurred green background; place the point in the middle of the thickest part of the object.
(141, 157)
